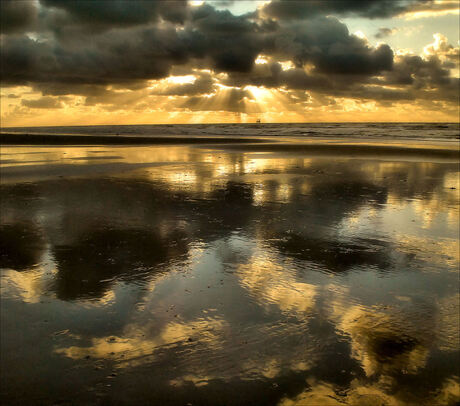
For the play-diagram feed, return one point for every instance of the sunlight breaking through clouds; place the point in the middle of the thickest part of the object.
(226, 61)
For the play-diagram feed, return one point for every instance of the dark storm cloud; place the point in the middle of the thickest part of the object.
(294, 10)
(119, 56)
(222, 3)
(17, 15)
(411, 77)
(355, 61)
(120, 12)
(377, 93)
(420, 73)
(231, 42)
(42, 103)
(272, 75)
(428, 78)
(91, 49)
(326, 43)
(60, 89)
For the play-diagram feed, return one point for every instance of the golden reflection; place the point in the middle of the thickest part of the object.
(269, 369)
(283, 193)
(259, 194)
(258, 165)
(452, 182)
(449, 393)
(386, 344)
(385, 340)
(439, 251)
(273, 366)
(381, 170)
(106, 299)
(196, 380)
(417, 194)
(322, 393)
(46, 155)
(206, 179)
(187, 178)
(28, 286)
(229, 352)
(135, 342)
(271, 284)
(396, 201)
(426, 211)
(362, 394)
(443, 199)
(448, 328)
(382, 341)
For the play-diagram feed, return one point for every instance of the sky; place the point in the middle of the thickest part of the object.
(66, 62)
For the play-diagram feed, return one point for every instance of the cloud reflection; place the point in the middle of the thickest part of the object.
(223, 266)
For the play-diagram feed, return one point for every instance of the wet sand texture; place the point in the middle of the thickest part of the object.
(215, 274)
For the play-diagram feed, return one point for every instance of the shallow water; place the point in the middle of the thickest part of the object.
(210, 276)
(440, 132)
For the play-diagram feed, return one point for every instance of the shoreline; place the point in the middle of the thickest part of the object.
(57, 139)
(241, 143)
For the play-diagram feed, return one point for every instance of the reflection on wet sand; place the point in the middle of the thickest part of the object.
(359, 394)
(21, 246)
(385, 343)
(87, 267)
(228, 277)
(273, 284)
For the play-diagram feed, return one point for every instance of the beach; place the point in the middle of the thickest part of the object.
(250, 265)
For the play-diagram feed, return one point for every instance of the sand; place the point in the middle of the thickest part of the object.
(229, 273)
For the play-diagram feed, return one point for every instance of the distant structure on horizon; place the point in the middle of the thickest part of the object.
(258, 121)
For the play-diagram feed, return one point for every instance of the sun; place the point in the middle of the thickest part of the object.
(260, 94)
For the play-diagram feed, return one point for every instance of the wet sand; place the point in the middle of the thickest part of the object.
(230, 274)
(7, 138)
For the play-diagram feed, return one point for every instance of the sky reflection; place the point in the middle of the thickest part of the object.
(291, 280)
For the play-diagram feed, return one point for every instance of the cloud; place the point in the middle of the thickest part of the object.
(326, 43)
(42, 103)
(221, 41)
(432, 9)
(228, 99)
(120, 12)
(203, 84)
(384, 32)
(231, 42)
(295, 10)
(442, 49)
(420, 72)
(226, 42)
(114, 53)
(17, 16)
(119, 56)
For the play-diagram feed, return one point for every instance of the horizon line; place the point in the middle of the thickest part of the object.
(247, 123)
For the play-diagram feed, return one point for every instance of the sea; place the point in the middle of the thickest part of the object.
(443, 132)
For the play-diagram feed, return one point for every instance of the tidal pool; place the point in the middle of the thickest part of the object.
(200, 275)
